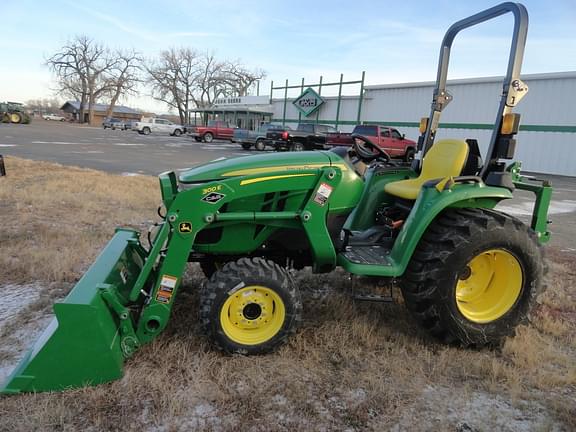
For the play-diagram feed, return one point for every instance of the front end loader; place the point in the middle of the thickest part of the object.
(469, 273)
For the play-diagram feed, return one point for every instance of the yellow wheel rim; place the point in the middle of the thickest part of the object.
(489, 286)
(252, 315)
(15, 118)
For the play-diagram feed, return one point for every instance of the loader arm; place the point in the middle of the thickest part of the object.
(126, 297)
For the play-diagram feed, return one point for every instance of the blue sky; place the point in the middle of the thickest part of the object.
(392, 41)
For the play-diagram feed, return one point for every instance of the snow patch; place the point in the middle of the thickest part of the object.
(15, 298)
(444, 408)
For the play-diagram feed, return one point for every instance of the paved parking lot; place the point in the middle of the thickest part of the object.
(128, 153)
(109, 150)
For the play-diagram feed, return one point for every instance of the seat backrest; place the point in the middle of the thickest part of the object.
(446, 158)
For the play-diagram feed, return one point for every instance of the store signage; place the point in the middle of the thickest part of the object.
(308, 102)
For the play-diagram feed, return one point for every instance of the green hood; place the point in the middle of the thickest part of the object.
(247, 165)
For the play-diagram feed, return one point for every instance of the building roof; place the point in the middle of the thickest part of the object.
(525, 77)
(118, 109)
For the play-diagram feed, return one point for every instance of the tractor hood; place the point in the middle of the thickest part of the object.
(247, 165)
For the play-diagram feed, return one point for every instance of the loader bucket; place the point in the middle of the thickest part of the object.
(81, 346)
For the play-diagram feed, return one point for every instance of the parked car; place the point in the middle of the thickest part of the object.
(307, 136)
(152, 124)
(387, 138)
(248, 138)
(53, 117)
(128, 124)
(112, 123)
(216, 129)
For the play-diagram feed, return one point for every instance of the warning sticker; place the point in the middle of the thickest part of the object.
(163, 298)
(167, 285)
(322, 194)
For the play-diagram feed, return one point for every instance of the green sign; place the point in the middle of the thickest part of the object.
(308, 102)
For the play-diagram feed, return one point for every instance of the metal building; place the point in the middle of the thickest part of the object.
(547, 138)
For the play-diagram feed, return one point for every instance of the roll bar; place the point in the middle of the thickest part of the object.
(513, 88)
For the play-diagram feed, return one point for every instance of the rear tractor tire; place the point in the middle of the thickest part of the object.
(15, 118)
(250, 306)
(474, 277)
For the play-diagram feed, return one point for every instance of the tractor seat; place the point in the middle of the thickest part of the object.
(446, 158)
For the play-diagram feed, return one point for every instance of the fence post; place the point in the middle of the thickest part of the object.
(285, 100)
(319, 94)
(339, 99)
(301, 91)
(361, 98)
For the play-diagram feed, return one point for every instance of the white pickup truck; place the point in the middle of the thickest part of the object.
(152, 124)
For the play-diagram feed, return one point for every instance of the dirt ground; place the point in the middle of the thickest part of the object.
(352, 366)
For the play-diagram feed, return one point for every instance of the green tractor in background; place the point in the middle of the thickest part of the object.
(468, 272)
(13, 112)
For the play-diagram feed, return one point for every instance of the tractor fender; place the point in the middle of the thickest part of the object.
(430, 203)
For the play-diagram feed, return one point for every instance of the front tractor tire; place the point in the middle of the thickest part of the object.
(474, 277)
(250, 306)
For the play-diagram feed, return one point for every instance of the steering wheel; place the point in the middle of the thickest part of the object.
(367, 151)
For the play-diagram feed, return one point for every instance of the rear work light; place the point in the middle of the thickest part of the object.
(510, 124)
(423, 124)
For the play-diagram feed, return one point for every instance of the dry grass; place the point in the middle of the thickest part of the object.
(352, 366)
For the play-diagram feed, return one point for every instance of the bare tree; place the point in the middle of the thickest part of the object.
(82, 68)
(172, 77)
(208, 83)
(44, 105)
(124, 77)
(183, 78)
(238, 78)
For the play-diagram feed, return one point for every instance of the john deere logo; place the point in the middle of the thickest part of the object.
(185, 227)
(308, 102)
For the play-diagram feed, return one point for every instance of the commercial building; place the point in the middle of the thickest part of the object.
(547, 138)
(100, 110)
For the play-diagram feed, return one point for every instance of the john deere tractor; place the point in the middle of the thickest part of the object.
(13, 112)
(469, 273)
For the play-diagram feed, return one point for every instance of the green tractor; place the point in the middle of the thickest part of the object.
(13, 112)
(468, 272)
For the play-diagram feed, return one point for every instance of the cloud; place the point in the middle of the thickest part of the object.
(138, 32)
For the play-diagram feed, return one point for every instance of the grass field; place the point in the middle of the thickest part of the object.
(350, 367)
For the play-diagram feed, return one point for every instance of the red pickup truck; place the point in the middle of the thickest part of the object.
(387, 138)
(216, 129)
